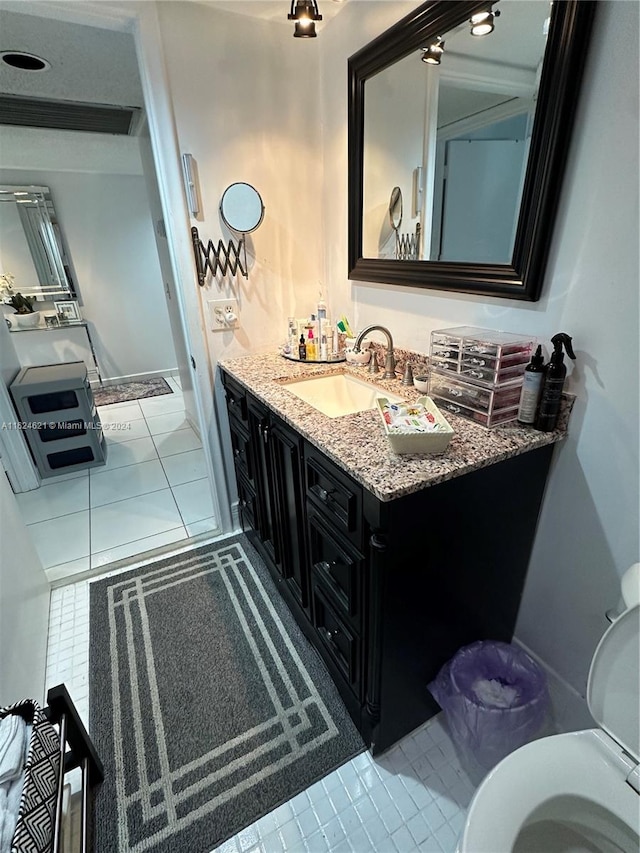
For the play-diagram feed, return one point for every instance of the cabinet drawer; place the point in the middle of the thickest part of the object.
(338, 567)
(236, 398)
(241, 448)
(334, 494)
(341, 643)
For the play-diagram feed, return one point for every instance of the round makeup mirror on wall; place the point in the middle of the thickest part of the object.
(241, 208)
(395, 208)
(242, 211)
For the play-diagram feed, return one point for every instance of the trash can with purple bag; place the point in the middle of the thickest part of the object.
(495, 699)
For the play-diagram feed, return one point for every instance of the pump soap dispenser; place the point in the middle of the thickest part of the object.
(553, 383)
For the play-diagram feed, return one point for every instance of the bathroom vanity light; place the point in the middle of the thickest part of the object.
(433, 54)
(482, 23)
(305, 13)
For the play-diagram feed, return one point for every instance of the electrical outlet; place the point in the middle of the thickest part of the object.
(224, 314)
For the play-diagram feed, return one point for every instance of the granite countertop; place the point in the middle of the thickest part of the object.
(357, 442)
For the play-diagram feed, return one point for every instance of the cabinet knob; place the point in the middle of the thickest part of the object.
(331, 635)
(232, 401)
(323, 494)
(236, 453)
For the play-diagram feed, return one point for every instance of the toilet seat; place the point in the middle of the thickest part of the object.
(580, 782)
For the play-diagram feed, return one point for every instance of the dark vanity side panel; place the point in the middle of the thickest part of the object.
(455, 562)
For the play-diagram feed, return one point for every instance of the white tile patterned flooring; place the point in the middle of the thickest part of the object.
(412, 798)
(152, 492)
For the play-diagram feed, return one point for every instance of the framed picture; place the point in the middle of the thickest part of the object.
(69, 310)
(51, 321)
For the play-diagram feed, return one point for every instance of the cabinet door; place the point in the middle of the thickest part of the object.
(259, 428)
(241, 448)
(285, 448)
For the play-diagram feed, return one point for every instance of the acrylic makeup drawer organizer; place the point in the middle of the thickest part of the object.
(478, 373)
(58, 416)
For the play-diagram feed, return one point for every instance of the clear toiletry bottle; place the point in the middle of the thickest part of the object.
(551, 396)
(322, 317)
(531, 388)
(324, 355)
(330, 347)
(292, 333)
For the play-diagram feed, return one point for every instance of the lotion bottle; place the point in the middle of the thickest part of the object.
(553, 383)
(531, 388)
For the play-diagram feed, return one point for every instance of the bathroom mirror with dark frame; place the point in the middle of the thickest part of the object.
(564, 58)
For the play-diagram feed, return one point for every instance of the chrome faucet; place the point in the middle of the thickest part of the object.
(390, 362)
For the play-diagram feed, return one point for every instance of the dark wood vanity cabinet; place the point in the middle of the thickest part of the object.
(386, 591)
(267, 458)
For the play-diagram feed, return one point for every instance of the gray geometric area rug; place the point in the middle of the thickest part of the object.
(208, 706)
(126, 391)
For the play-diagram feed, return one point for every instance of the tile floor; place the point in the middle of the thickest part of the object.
(413, 798)
(152, 492)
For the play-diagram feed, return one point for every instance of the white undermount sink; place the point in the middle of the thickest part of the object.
(338, 394)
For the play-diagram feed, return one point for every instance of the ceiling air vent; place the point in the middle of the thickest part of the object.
(68, 115)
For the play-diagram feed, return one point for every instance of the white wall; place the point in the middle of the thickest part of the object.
(9, 363)
(246, 101)
(588, 531)
(105, 217)
(24, 606)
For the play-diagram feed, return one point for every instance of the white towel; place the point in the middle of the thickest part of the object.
(10, 793)
(13, 776)
(13, 735)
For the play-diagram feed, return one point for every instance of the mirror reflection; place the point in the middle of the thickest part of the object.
(454, 138)
(32, 249)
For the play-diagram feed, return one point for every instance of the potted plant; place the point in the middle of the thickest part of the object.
(22, 305)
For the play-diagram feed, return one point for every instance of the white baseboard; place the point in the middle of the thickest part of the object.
(569, 707)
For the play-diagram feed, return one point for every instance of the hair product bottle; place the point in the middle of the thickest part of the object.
(311, 346)
(531, 388)
(302, 349)
(554, 383)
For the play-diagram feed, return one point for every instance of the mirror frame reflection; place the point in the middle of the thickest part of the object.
(567, 41)
(43, 238)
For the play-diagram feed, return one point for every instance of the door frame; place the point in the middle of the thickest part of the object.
(166, 153)
(140, 18)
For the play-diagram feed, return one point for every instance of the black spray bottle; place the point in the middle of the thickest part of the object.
(553, 383)
(531, 388)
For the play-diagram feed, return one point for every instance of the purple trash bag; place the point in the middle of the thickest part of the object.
(495, 699)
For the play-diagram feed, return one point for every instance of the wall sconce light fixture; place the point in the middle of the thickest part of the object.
(433, 54)
(305, 13)
(482, 23)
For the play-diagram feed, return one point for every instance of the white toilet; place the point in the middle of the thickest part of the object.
(576, 792)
